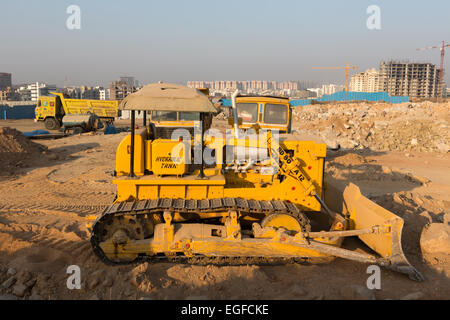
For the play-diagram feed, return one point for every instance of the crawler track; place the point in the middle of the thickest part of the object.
(155, 206)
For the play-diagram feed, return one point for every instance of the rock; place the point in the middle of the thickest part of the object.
(94, 297)
(397, 199)
(386, 170)
(11, 272)
(427, 216)
(8, 283)
(30, 284)
(413, 296)
(356, 292)
(442, 147)
(422, 180)
(333, 145)
(196, 298)
(414, 142)
(417, 199)
(145, 298)
(8, 297)
(24, 276)
(436, 238)
(446, 218)
(20, 290)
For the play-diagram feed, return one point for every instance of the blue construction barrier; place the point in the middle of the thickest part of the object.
(354, 96)
(17, 112)
(363, 96)
(343, 96)
(302, 103)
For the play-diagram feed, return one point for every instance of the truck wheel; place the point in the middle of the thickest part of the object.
(51, 124)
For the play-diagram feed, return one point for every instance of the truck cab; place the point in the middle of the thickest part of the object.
(266, 112)
(50, 110)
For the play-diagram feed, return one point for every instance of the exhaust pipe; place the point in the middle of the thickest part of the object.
(235, 114)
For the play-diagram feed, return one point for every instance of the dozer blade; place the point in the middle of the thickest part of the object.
(365, 214)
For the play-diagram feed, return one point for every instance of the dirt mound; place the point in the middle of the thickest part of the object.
(13, 141)
(350, 159)
(15, 147)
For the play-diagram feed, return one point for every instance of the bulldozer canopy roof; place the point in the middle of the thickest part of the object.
(168, 97)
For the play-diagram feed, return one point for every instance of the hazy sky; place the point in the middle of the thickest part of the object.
(208, 39)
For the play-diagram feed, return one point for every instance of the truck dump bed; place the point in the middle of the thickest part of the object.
(102, 108)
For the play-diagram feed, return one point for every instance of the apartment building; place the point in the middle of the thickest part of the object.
(245, 85)
(104, 94)
(122, 88)
(369, 81)
(5, 80)
(416, 80)
(288, 85)
(5, 94)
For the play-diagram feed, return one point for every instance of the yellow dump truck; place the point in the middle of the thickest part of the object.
(52, 109)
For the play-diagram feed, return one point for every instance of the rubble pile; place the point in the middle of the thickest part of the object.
(15, 148)
(422, 127)
(13, 141)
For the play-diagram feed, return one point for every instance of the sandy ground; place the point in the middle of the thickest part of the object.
(43, 205)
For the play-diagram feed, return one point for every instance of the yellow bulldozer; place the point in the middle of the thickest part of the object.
(174, 204)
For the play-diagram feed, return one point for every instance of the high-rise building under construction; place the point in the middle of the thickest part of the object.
(416, 80)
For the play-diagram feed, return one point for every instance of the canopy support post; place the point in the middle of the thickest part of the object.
(202, 123)
(133, 128)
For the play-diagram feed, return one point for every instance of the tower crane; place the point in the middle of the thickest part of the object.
(347, 71)
(441, 73)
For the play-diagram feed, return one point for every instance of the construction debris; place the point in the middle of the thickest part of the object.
(436, 238)
(407, 127)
